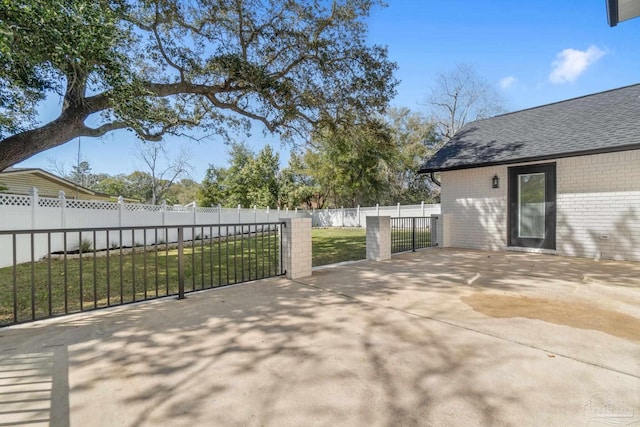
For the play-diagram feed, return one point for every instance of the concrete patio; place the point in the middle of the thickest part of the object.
(436, 338)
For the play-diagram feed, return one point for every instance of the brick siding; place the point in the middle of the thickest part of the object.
(598, 206)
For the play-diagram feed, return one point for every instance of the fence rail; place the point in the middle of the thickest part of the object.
(410, 234)
(105, 267)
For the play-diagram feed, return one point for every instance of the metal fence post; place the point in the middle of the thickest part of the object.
(180, 262)
(413, 234)
(433, 231)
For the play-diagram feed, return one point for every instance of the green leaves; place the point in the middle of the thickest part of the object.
(364, 163)
(55, 45)
(169, 66)
(251, 179)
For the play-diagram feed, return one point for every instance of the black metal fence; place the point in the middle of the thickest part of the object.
(409, 234)
(48, 273)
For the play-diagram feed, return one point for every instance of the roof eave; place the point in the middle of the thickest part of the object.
(48, 175)
(532, 159)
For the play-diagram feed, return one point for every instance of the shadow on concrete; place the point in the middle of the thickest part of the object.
(335, 348)
(34, 387)
(295, 354)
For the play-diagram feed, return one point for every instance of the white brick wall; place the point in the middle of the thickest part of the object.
(477, 213)
(378, 238)
(296, 247)
(597, 196)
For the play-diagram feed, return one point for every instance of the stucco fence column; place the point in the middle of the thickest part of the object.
(296, 247)
(442, 231)
(378, 238)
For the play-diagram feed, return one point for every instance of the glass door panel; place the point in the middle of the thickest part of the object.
(531, 205)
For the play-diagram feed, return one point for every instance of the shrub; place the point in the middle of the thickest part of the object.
(86, 245)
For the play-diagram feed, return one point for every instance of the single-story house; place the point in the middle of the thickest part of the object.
(562, 178)
(22, 180)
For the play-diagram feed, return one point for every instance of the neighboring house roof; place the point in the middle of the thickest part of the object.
(20, 180)
(599, 123)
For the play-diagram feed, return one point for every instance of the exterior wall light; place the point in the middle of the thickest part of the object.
(495, 181)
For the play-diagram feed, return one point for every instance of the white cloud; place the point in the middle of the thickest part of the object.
(507, 82)
(570, 63)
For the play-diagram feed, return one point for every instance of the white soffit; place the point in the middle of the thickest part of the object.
(628, 9)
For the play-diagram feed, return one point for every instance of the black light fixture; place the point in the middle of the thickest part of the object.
(495, 181)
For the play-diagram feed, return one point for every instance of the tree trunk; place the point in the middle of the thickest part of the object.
(26, 144)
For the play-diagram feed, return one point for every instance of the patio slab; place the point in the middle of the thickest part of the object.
(439, 337)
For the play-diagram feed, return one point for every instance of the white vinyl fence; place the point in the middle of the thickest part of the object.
(36, 213)
(32, 212)
(357, 217)
(42, 213)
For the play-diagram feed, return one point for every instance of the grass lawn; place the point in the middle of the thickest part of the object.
(331, 245)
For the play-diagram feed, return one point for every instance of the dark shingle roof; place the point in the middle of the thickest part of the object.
(603, 122)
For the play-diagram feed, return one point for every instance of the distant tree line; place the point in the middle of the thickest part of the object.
(361, 163)
(137, 185)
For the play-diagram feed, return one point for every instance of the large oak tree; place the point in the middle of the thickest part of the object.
(160, 67)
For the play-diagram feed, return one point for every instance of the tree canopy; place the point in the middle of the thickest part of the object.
(415, 138)
(348, 163)
(251, 179)
(160, 67)
(368, 162)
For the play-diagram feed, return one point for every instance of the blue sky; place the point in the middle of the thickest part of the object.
(534, 51)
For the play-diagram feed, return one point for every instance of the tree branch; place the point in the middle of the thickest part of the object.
(236, 109)
(160, 45)
(102, 130)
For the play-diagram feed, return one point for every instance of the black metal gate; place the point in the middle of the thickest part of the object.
(409, 234)
(48, 273)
